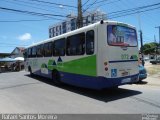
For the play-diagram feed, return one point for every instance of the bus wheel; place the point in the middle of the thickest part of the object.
(30, 71)
(56, 77)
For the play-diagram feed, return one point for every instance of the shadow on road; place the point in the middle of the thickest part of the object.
(141, 82)
(105, 95)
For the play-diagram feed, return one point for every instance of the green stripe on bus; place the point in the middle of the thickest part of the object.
(83, 66)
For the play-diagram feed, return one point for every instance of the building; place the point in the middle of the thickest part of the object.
(17, 52)
(3, 55)
(63, 27)
(10, 63)
(71, 22)
(94, 16)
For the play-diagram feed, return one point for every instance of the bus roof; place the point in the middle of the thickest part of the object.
(79, 30)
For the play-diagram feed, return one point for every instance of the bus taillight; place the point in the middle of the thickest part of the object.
(105, 63)
(106, 66)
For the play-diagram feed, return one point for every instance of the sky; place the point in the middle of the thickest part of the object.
(19, 29)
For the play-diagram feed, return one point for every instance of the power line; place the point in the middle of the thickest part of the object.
(97, 2)
(107, 3)
(101, 1)
(98, 6)
(102, 4)
(90, 6)
(131, 13)
(24, 20)
(133, 9)
(85, 3)
(34, 3)
(127, 13)
(49, 6)
(120, 13)
(33, 13)
(40, 1)
(23, 3)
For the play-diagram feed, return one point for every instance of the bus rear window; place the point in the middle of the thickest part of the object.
(121, 36)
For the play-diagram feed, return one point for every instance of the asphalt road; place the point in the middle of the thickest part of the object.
(20, 93)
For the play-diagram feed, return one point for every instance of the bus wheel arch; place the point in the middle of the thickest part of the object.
(56, 77)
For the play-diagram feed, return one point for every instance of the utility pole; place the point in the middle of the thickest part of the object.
(159, 33)
(141, 39)
(155, 39)
(158, 47)
(79, 18)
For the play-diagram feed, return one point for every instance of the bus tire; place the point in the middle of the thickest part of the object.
(56, 77)
(30, 71)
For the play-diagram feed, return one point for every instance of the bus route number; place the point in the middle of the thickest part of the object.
(124, 56)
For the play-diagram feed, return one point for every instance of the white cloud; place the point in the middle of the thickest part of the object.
(25, 37)
(61, 6)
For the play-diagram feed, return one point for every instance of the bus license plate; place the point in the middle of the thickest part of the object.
(126, 80)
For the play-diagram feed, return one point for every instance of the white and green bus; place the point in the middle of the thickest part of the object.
(101, 55)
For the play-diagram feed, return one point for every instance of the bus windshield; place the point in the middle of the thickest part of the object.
(121, 36)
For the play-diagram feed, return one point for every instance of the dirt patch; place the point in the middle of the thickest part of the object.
(153, 69)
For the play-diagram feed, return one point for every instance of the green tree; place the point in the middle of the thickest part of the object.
(149, 48)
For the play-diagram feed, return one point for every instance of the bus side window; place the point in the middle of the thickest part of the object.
(75, 44)
(25, 54)
(34, 52)
(48, 49)
(45, 47)
(59, 47)
(40, 51)
(90, 42)
(81, 47)
(29, 52)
